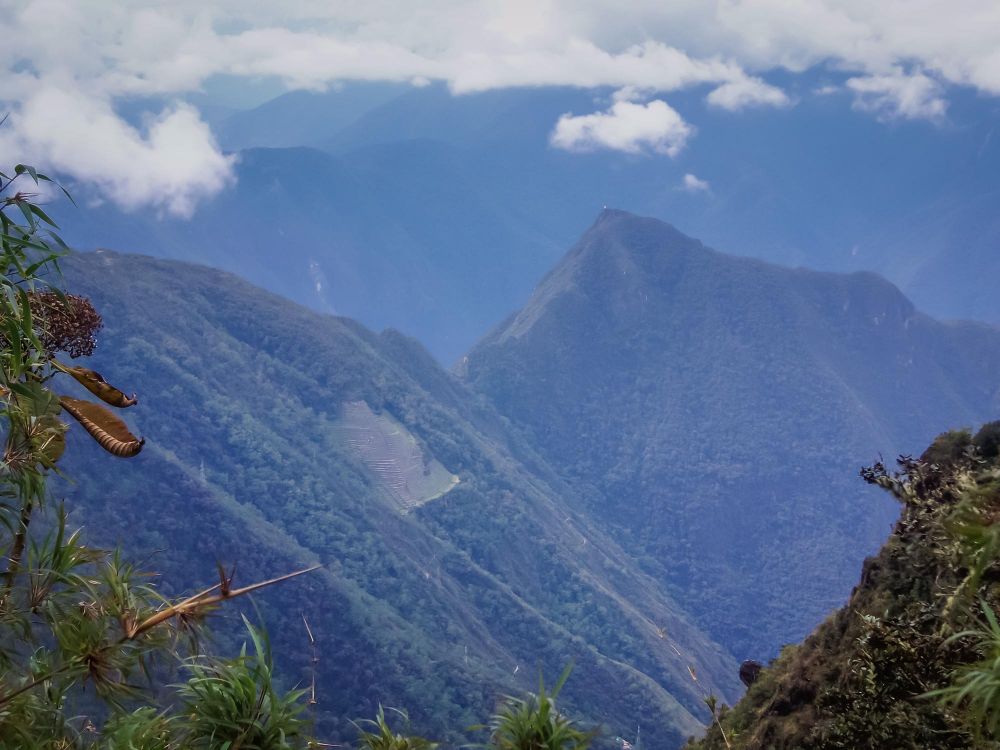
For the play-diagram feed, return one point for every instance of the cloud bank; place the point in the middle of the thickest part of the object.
(75, 59)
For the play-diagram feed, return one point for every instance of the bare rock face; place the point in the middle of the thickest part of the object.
(749, 670)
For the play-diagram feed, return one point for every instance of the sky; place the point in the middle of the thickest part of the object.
(70, 64)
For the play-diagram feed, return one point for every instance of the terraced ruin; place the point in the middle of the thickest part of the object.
(393, 456)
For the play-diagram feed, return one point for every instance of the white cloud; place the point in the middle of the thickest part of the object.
(898, 95)
(693, 184)
(102, 51)
(633, 128)
(747, 92)
(170, 166)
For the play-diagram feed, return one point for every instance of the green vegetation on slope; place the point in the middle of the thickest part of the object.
(83, 634)
(440, 610)
(862, 679)
(712, 410)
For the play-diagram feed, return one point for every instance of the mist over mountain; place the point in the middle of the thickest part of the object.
(721, 407)
(455, 565)
(303, 118)
(945, 248)
(806, 186)
(436, 214)
(401, 238)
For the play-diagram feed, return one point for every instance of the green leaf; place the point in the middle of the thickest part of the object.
(37, 211)
(25, 208)
(22, 168)
(109, 431)
(58, 240)
(24, 242)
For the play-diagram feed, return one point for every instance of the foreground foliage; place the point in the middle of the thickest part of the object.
(533, 722)
(85, 637)
(376, 734)
(913, 660)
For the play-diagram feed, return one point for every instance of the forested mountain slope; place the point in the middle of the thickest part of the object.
(721, 406)
(455, 565)
(861, 680)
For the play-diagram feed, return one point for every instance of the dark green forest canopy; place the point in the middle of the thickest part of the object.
(438, 610)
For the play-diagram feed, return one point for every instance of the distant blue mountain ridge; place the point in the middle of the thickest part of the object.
(437, 214)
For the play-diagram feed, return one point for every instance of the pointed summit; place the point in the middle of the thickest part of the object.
(621, 256)
(635, 232)
(721, 406)
(610, 214)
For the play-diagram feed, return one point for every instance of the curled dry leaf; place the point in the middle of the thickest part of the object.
(108, 430)
(94, 382)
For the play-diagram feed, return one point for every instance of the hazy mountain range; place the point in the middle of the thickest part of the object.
(650, 466)
(436, 214)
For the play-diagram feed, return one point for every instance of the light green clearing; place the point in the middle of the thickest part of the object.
(393, 456)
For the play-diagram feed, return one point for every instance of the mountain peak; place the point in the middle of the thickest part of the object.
(652, 367)
(620, 260)
(610, 214)
(635, 268)
(618, 220)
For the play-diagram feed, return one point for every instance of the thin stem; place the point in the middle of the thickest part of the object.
(17, 549)
(315, 661)
(203, 600)
(194, 603)
(3, 188)
(719, 724)
(8, 697)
